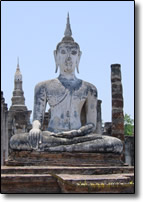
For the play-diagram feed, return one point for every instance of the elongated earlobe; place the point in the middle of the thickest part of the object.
(77, 62)
(55, 56)
(77, 69)
(56, 68)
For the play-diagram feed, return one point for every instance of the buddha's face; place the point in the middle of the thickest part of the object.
(67, 57)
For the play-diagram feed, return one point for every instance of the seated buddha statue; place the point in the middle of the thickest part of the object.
(67, 97)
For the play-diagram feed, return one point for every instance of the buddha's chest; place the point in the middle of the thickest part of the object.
(66, 98)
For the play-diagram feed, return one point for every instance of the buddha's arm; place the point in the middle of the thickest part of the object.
(39, 103)
(84, 130)
(38, 116)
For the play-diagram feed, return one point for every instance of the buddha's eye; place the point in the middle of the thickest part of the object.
(63, 51)
(74, 52)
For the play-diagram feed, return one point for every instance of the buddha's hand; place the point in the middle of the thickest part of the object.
(88, 128)
(35, 137)
(84, 130)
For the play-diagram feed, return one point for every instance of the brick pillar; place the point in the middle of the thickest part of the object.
(117, 103)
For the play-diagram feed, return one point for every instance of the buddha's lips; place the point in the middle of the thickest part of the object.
(68, 63)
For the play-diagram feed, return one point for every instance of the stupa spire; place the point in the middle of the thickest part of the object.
(18, 94)
(17, 62)
(18, 75)
(68, 32)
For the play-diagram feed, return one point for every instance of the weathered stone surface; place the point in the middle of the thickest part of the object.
(119, 135)
(82, 170)
(71, 137)
(129, 150)
(96, 143)
(116, 87)
(18, 121)
(107, 128)
(99, 118)
(117, 114)
(4, 130)
(115, 72)
(96, 184)
(97, 178)
(66, 103)
(118, 125)
(67, 179)
(18, 94)
(75, 118)
(69, 99)
(117, 95)
(18, 114)
(46, 120)
(26, 158)
(29, 183)
(117, 102)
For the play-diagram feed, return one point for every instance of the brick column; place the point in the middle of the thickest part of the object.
(117, 103)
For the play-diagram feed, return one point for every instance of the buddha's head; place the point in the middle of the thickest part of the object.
(67, 54)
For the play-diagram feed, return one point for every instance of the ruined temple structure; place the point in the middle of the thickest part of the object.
(64, 151)
(18, 114)
(4, 130)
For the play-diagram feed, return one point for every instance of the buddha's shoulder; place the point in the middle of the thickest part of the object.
(48, 84)
(88, 85)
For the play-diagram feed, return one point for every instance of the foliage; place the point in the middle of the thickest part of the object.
(128, 125)
(104, 185)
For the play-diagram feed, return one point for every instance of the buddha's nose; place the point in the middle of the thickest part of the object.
(69, 58)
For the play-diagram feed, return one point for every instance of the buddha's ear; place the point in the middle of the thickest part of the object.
(56, 61)
(78, 60)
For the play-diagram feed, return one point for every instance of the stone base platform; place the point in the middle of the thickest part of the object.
(111, 183)
(67, 170)
(32, 158)
(42, 172)
(62, 179)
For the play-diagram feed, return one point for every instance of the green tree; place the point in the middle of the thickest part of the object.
(128, 125)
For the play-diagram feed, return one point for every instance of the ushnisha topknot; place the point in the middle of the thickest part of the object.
(67, 35)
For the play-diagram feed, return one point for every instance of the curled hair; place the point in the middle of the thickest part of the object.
(67, 42)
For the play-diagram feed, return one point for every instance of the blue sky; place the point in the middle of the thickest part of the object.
(104, 31)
